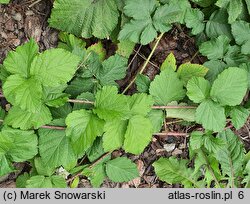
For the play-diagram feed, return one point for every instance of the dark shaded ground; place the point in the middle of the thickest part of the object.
(22, 20)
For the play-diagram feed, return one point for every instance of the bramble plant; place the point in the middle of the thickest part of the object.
(66, 104)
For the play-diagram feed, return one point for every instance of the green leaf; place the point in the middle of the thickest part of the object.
(138, 134)
(98, 49)
(215, 67)
(25, 93)
(46, 182)
(82, 128)
(194, 19)
(21, 180)
(169, 62)
(216, 48)
(19, 61)
(113, 137)
(230, 87)
(234, 8)
(174, 171)
(110, 105)
(5, 165)
(55, 149)
(54, 67)
(114, 68)
(125, 48)
(181, 113)
(231, 155)
(166, 15)
(218, 25)
(187, 71)
(24, 119)
(96, 150)
(241, 32)
(121, 170)
(4, 1)
(239, 116)
(18, 144)
(156, 118)
(166, 88)
(142, 83)
(42, 168)
(87, 96)
(140, 104)
(198, 89)
(96, 175)
(139, 31)
(85, 18)
(211, 115)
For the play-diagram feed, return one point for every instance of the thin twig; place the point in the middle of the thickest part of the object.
(34, 3)
(81, 101)
(145, 64)
(174, 107)
(143, 57)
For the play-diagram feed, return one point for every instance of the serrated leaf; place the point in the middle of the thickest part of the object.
(166, 15)
(114, 68)
(4, 1)
(140, 104)
(98, 49)
(142, 83)
(169, 62)
(156, 118)
(125, 48)
(96, 150)
(138, 31)
(138, 134)
(211, 115)
(216, 48)
(24, 119)
(42, 168)
(230, 87)
(194, 19)
(85, 18)
(55, 149)
(54, 67)
(215, 67)
(166, 88)
(113, 137)
(231, 155)
(198, 89)
(21, 180)
(241, 32)
(174, 171)
(187, 71)
(25, 93)
(19, 61)
(181, 113)
(5, 165)
(18, 144)
(82, 128)
(46, 182)
(218, 25)
(121, 170)
(110, 105)
(239, 116)
(234, 8)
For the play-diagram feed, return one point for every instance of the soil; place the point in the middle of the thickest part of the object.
(22, 19)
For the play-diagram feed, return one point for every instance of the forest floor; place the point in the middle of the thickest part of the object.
(25, 19)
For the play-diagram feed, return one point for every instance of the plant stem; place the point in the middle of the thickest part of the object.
(145, 64)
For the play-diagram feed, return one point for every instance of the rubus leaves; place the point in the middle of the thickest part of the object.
(230, 87)
(167, 87)
(16, 145)
(33, 76)
(121, 170)
(85, 18)
(82, 129)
